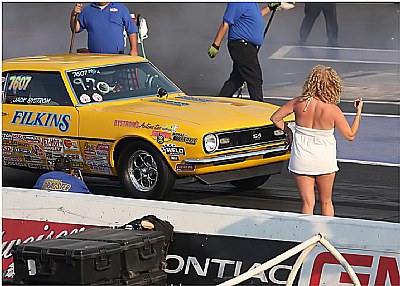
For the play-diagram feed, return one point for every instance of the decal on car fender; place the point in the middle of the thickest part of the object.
(36, 150)
(22, 151)
(150, 126)
(182, 167)
(22, 144)
(161, 136)
(181, 137)
(89, 149)
(32, 159)
(102, 170)
(12, 158)
(71, 145)
(52, 144)
(126, 123)
(172, 149)
(102, 149)
(51, 156)
(38, 166)
(30, 138)
(170, 127)
(77, 165)
(7, 150)
(9, 142)
(15, 164)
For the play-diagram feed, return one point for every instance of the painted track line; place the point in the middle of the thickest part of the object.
(348, 101)
(368, 163)
(372, 115)
(283, 53)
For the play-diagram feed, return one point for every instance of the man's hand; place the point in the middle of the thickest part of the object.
(274, 6)
(213, 51)
(77, 9)
(74, 23)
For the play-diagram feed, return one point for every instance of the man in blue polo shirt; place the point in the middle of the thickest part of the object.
(105, 23)
(62, 179)
(244, 24)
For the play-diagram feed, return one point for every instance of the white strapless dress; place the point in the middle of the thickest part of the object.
(313, 152)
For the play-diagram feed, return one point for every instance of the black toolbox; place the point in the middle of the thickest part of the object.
(145, 278)
(67, 262)
(149, 278)
(141, 251)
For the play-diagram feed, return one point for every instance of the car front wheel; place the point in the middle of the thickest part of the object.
(250, 183)
(144, 173)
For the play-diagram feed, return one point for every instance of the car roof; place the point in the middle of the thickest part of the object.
(61, 62)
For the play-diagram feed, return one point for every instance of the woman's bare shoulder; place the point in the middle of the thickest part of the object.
(296, 100)
(333, 109)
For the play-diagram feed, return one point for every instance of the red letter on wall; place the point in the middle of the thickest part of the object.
(353, 259)
(387, 265)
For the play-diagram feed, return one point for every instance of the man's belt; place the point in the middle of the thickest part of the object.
(244, 42)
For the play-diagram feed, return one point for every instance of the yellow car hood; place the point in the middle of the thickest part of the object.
(196, 110)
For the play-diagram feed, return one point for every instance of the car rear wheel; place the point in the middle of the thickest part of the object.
(250, 183)
(143, 172)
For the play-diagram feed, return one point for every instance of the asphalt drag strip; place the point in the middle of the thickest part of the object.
(360, 191)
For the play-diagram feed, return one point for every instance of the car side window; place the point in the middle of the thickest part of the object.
(35, 88)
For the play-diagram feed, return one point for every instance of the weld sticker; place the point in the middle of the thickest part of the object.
(172, 149)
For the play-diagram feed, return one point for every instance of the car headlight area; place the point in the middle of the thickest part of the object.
(210, 142)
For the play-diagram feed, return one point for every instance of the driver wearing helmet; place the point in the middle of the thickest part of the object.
(107, 82)
(62, 178)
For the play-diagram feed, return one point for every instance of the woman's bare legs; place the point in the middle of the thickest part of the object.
(325, 186)
(305, 184)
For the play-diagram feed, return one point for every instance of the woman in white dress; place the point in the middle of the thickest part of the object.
(313, 144)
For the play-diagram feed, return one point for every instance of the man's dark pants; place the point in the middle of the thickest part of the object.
(311, 13)
(246, 68)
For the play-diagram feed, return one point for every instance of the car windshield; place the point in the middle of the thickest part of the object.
(97, 84)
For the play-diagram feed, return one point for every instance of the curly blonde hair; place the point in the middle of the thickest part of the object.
(324, 83)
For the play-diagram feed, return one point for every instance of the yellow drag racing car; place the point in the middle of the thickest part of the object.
(119, 116)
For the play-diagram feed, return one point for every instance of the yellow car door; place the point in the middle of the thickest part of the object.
(38, 118)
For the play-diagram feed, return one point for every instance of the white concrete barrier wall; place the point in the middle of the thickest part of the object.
(356, 237)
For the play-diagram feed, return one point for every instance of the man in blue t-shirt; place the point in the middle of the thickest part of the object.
(105, 23)
(244, 24)
(62, 178)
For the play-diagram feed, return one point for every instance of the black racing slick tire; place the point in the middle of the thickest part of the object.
(143, 172)
(250, 183)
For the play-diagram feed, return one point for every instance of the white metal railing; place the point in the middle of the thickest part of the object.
(306, 247)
